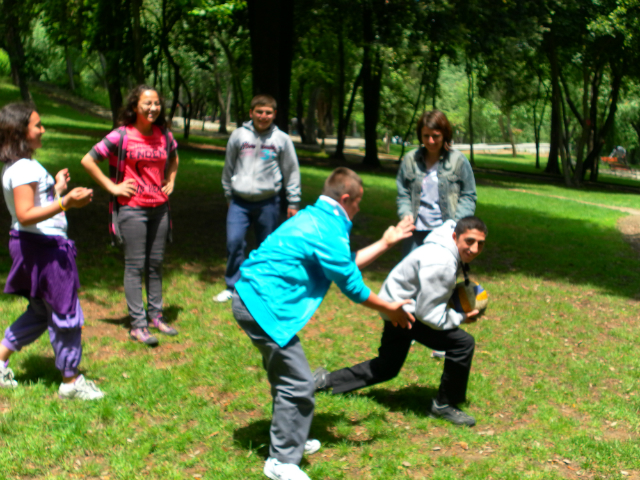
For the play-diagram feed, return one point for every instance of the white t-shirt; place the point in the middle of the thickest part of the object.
(23, 172)
(429, 213)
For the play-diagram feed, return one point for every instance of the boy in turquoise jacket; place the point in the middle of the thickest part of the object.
(283, 283)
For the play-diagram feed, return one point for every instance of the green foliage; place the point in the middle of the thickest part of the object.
(5, 64)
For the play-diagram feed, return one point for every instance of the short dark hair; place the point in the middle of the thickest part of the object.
(128, 115)
(342, 180)
(435, 120)
(470, 223)
(14, 120)
(264, 100)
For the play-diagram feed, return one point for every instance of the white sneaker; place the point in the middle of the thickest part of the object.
(283, 471)
(81, 388)
(6, 378)
(223, 296)
(438, 354)
(311, 446)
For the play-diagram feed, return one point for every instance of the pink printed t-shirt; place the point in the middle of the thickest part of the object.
(145, 163)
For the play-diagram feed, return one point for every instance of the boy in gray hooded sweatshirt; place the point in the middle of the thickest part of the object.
(427, 276)
(259, 161)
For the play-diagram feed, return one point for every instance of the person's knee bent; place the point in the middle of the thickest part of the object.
(385, 371)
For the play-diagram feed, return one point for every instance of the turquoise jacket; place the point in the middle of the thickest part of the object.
(283, 282)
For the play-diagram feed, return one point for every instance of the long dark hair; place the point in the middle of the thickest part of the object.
(128, 115)
(435, 120)
(14, 120)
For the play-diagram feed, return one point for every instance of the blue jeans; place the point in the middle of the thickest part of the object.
(263, 214)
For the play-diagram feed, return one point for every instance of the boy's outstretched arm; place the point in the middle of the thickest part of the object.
(392, 310)
(393, 235)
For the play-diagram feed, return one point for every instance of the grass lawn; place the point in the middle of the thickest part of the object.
(554, 385)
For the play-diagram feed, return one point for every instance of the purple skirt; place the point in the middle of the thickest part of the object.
(44, 266)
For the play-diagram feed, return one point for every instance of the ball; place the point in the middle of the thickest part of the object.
(467, 298)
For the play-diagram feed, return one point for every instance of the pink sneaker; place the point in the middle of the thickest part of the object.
(142, 335)
(163, 327)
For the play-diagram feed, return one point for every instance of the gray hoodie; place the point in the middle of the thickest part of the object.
(428, 277)
(255, 165)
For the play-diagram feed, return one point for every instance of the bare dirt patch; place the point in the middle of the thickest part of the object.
(630, 228)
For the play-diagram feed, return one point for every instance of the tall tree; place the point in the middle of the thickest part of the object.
(15, 18)
(110, 34)
(271, 23)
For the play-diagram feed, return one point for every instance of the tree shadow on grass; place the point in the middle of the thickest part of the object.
(255, 436)
(414, 398)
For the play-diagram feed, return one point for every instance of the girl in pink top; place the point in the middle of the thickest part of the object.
(143, 178)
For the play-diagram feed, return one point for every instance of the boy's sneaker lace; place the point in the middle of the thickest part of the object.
(451, 414)
(6, 377)
(162, 327)
(142, 335)
(223, 296)
(283, 471)
(81, 388)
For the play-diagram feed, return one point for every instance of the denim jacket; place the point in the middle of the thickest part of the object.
(456, 185)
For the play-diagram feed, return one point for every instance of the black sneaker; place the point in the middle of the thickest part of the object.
(320, 378)
(451, 414)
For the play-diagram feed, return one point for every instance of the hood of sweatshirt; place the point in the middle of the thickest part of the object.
(443, 236)
(249, 126)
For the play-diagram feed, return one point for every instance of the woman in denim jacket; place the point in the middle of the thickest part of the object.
(435, 182)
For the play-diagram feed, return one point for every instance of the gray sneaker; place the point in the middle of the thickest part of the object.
(451, 414)
(81, 388)
(6, 378)
(320, 378)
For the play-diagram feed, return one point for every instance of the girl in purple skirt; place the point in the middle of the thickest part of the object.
(44, 268)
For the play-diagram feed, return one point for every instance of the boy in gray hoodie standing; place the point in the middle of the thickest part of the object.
(260, 159)
(427, 276)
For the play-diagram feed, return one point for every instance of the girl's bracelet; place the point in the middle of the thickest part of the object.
(60, 202)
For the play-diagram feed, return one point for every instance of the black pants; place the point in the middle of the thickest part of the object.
(395, 345)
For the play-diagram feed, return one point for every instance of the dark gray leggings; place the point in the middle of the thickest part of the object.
(144, 231)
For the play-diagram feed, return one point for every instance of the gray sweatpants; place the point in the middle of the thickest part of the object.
(144, 231)
(292, 387)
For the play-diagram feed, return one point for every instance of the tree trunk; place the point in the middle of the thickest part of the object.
(115, 96)
(423, 83)
(15, 49)
(470, 97)
(371, 80)
(138, 60)
(599, 137)
(512, 139)
(271, 24)
(300, 110)
(503, 132)
(342, 133)
(578, 173)
(341, 94)
(311, 123)
(224, 103)
(67, 57)
(556, 123)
